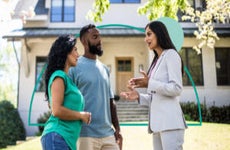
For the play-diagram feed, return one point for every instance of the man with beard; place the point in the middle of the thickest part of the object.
(92, 78)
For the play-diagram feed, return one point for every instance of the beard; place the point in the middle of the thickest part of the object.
(93, 49)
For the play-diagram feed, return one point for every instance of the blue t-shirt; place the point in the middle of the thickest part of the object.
(73, 99)
(92, 78)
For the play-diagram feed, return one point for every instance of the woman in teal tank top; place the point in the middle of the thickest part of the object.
(66, 101)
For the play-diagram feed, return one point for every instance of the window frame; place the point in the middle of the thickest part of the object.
(40, 59)
(63, 14)
(228, 72)
(188, 63)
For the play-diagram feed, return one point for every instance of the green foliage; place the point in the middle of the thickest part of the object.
(209, 114)
(11, 125)
(42, 120)
(8, 74)
(155, 9)
(99, 9)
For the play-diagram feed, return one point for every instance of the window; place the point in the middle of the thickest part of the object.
(222, 66)
(40, 62)
(62, 11)
(124, 1)
(124, 65)
(193, 62)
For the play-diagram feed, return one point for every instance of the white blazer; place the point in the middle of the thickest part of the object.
(163, 91)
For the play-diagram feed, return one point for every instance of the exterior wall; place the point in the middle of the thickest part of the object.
(124, 47)
(27, 82)
(211, 93)
(113, 47)
(117, 14)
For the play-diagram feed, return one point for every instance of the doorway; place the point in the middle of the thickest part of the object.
(124, 71)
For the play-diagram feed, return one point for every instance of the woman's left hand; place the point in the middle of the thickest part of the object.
(141, 82)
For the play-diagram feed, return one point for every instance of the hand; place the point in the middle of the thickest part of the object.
(130, 95)
(140, 82)
(86, 117)
(119, 139)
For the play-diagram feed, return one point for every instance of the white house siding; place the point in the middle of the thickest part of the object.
(117, 14)
(210, 92)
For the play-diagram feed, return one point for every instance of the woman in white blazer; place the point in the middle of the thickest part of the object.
(164, 85)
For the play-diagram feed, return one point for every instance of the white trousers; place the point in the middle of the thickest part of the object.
(168, 140)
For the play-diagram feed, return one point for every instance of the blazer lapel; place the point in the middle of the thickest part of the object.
(158, 63)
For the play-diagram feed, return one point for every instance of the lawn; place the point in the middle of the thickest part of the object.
(209, 136)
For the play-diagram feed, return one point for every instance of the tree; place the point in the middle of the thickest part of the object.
(99, 9)
(8, 74)
(216, 11)
(8, 63)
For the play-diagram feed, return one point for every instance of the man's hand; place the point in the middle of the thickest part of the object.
(130, 95)
(119, 139)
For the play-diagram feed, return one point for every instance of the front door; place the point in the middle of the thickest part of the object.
(124, 71)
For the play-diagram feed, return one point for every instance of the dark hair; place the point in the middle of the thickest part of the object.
(85, 29)
(61, 47)
(163, 39)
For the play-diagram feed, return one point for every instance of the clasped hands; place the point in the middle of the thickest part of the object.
(133, 83)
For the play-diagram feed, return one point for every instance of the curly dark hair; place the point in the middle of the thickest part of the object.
(61, 47)
(85, 29)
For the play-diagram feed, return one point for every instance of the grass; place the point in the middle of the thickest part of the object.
(209, 136)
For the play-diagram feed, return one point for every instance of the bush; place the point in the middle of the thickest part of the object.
(42, 119)
(11, 125)
(211, 114)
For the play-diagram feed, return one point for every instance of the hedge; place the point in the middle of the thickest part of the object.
(11, 125)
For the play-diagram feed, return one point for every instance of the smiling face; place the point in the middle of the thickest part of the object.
(72, 57)
(151, 39)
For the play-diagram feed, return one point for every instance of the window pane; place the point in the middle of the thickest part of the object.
(222, 66)
(124, 65)
(132, 1)
(40, 62)
(69, 11)
(69, 3)
(56, 18)
(56, 11)
(115, 1)
(62, 11)
(68, 18)
(193, 62)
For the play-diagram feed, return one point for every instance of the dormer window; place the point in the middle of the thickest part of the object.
(62, 11)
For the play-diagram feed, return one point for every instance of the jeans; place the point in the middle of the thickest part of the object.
(53, 141)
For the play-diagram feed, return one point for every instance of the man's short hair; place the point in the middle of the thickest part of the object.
(85, 29)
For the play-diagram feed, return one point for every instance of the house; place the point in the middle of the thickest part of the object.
(125, 51)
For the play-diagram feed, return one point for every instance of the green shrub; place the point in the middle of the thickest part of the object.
(11, 125)
(42, 120)
(211, 114)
